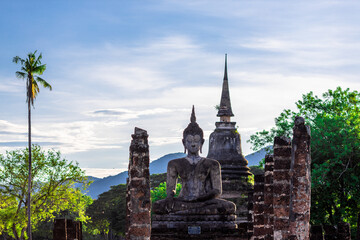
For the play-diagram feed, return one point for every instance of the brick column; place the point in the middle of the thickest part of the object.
(330, 232)
(358, 228)
(300, 198)
(60, 229)
(268, 198)
(138, 195)
(281, 187)
(258, 208)
(71, 229)
(343, 231)
(316, 232)
(250, 217)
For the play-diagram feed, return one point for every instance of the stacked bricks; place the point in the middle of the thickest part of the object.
(281, 187)
(343, 231)
(316, 232)
(300, 190)
(268, 198)
(282, 210)
(250, 217)
(330, 232)
(339, 232)
(60, 232)
(66, 229)
(258, 208)
(358, 228)
(138, 188)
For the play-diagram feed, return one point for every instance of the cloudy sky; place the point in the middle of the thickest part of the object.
(116, 65)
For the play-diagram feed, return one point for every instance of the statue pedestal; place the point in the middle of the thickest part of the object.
(176, 227)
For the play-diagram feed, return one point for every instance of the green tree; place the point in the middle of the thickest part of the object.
(52, 188)
(108, 213)
(31, 68)
(159, 192)
(335, 151)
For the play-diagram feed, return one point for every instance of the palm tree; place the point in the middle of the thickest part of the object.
(31, 68)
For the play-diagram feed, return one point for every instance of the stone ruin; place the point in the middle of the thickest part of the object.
(67, 229)
(276, 207)
(281, 197)
(138, 201)
(279, 205)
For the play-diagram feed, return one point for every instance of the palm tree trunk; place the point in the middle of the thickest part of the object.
(29, 180)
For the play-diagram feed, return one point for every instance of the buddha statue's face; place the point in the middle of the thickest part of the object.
(193, 143)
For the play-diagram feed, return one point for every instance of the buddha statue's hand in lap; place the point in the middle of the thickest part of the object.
(200, 177)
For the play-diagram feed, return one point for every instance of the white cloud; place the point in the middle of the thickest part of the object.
(277, 51)
(103, 172)
(12, 85)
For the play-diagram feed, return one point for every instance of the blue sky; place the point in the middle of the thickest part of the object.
(115, 65)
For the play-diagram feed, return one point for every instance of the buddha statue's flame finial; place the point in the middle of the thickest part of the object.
(193, 117)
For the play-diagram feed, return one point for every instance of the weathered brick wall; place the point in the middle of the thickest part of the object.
(329, 232)
(268, 198)
(250, 217)
(300, 181)
(281, 187)
(138, 195)
(258, 208)
(343, 231)
(316, 233)
(59, 232)
(282, 210)
(67, 229)
(358, 228)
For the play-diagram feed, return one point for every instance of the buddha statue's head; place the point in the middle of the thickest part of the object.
(193, 136)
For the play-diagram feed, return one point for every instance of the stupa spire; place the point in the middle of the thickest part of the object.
(225, 111)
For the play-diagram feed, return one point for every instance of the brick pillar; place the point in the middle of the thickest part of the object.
(59, 232)
(300, 188)
(138, 195)
(258, 208)
(71, 229)
(250, 217)
(358, 228)
(78, 226)
(330, 232)
(343, 231)
(316, 232)
(268, 198)
(281, 187)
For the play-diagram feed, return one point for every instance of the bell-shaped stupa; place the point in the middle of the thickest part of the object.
(225, 146)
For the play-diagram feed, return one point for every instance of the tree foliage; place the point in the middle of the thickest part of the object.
(31, 68)
(51, 189)
(335, 151)
(159, 192)
(108, 213)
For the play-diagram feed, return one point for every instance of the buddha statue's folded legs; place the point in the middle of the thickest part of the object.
(214, 206)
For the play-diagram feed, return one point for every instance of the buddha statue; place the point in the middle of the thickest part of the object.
(200, 178)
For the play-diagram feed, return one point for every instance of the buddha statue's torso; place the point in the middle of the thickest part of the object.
(195, 177)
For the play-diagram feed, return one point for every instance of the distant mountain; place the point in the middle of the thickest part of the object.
(255, 157)
(101, 185)
(160, 165)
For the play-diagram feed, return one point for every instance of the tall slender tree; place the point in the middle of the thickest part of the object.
(31, 68)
